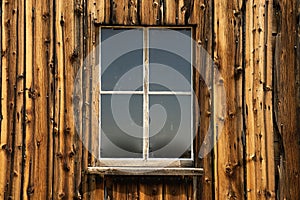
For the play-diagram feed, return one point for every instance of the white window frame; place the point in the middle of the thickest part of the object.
(145, 161)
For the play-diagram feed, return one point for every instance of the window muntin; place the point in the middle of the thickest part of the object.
(143, 70)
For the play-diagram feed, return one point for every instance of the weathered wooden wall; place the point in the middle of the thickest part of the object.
(255, 46)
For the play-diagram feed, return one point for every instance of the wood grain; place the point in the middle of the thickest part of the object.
(258, 99)
(287, 97)
(228, 161)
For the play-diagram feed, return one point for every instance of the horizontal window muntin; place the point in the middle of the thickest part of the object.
(145, 90)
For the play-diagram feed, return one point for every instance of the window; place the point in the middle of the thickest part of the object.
(146, 96)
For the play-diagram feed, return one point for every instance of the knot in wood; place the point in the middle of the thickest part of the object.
(155, 4)
(208, 113)
(236, 13)
(221, 81)
(183, 9)
(71, 154)
(7, 23)
(229, 169)
(136, 196)
(4, 146)
(74, 55)
(45, 16)
(231, 114)
(66, 167)
(207, 180)
(30, 190)
(154, 191)
(67, 130)
(59, 155)
(202, 6)
(232, 195)
(173, 192)
(79, 9)
(268, 194)
(62, 21)
(16, 173)
(132, 3)
(239, 69)
(114, 4)
(61, 195)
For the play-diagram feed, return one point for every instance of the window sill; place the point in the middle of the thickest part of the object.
(144, 171)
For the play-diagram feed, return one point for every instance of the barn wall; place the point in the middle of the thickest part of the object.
(254, 45)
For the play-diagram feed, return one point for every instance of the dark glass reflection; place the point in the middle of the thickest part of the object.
(121, 59)
(170, 59)
(122, 126)
(170, 125)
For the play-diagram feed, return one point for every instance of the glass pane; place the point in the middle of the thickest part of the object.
(121, 59)
(170, 60)
(170, 126)
(121, 126)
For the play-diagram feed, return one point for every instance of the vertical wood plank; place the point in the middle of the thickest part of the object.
(52, 126)
(69, 48)
(286, 97)
(109, 188)
(250, 142)
(144, 14)
(59, 174)
(38, 93)
(29, 109)
(16, 76)
(9, 34)
(201, 15)
(174, 189)
(99, 11)
(96, 185)
(150, 12)
(133, 188)
(191, 190)
(258, 100)
(133, 12)
(86, 94)
(120, 13)
(78, 59)
(4, 156)
(170, 12)
(269, 145)
(151, 188)
(108, 14)
(181, 12)
(119, 188)
(228, 169)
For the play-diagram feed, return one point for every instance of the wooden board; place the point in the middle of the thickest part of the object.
(228, 160)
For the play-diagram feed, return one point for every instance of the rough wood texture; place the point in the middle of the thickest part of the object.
(3, 109)
(286, 94)
(46, 46)
(103, 171)
(151, 190)
(229, 172)
(201, 14)
(258, 101)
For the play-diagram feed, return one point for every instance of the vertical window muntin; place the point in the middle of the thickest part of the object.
(145, 92)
